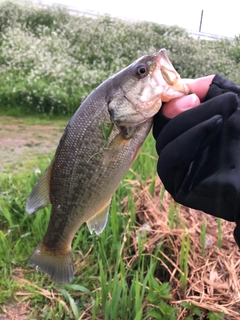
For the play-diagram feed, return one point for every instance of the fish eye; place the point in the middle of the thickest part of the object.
(142, 71)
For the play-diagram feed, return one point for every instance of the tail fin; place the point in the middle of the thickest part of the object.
(59, 267)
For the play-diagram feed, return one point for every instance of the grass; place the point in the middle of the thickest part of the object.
(102, 280)
(184, 253)
(58, 121)
(115, 277)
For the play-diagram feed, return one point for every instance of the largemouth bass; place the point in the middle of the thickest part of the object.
(97, 148)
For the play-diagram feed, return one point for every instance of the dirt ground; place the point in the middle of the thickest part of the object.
(20, 141)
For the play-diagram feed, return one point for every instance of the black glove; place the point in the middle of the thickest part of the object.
(199, 154)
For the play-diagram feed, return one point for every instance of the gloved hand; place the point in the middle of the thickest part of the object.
(205, 88)
(199, 154)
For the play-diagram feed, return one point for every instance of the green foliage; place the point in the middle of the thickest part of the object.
(105, 286)
(104, 283)
(108, 287)
(184, 254)
(106, 131)
(194, 310)
(215, 316)
(51, 60)
(157, 294)
(235, 50)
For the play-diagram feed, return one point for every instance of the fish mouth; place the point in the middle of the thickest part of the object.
(174, 86)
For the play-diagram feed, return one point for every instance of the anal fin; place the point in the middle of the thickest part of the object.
(98, 222)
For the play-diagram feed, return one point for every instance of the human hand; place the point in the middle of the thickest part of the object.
(198, 88)
(202, 89)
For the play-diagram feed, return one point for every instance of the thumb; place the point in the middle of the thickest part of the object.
(176, 106)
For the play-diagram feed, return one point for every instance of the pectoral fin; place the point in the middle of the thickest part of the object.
(115, 147)
(98, 222)
(40, 195)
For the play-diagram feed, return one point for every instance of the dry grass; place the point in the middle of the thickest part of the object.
(14, 312)
(213, 281)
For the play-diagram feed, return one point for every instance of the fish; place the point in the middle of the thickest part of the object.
(97, 148)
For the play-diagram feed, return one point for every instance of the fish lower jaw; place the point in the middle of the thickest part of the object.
(175, 92)
(148, 113)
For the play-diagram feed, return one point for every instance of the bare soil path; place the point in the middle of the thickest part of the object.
(22, 140)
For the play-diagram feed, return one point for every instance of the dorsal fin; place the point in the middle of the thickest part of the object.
(40, 195)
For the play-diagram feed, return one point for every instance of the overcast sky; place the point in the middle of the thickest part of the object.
(219, 17)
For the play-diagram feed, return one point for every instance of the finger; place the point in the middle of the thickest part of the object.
(176, 106)
(175, 158)
(223, 105)
(199, 86)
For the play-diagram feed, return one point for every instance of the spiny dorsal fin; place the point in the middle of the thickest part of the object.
(40, 195)
(98, 222)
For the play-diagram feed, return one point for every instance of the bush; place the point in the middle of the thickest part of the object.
(51, 60)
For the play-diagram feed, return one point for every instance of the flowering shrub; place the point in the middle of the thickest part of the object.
(51, 60)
